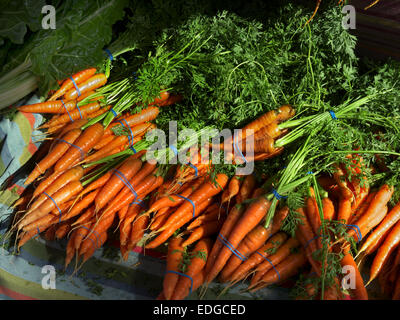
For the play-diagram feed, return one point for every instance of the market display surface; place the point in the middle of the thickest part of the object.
(302, 203)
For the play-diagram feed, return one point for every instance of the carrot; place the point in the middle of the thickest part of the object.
(174, 257)
(85, 217)
(272, 260)
(45, 183)
(87, 94)
(58, 198)
(344, 211)
(359, 292)
(284, 270)
(143, 176)
(89, 253)
(376, 244)
(103, 142)
(307, 238)
(83, 144)
(75, 114)
(204, 231)
(175, 200)
(70, 250)
(328, 209)
(198, 280)
(91, 234)
(92, 83)
(118, 141)
(390, 243)
(356, 214)
(77, 124)
(62, 230)
(251, 217)
(188, 210)
(120, 177)
(73, 174)
(340, 178)
(375, 212)
(210, 215)
(68, 83)
(283, 113)
(252, 242)
(312, 212)
(232, 190)
(246, 188)
(143, 189)
(52, 157)
(390, 220)
(257, 257)
(277, 221)
(159, 221)
(138, 229)
(49, 107)
(197, 263)
(26, 236)
(233, 216)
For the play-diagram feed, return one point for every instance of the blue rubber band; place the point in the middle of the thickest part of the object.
(110, 56)
(65, 107)
(72, 145)
(357, 229)
(277, 272)
(130, 139)
(76, 87)
(310, 172)
(185, 275)
(333, 115)
(133, 149)
(191, 202)
(54, 201)
(95, 234)
(236, 147)
(277, 195)
(138, 202)
(37, 234)
(122, 177)
(230, 247)
(196, 171)
(180, 183)
(134, 74)
(80, 113)
(83, 236)
(174, 149)
(113, 112)
(309, 241)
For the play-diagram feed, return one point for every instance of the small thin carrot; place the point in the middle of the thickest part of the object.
(204, 231)
(76, 78)
(246, 188)
(49, 107)
(94, 82)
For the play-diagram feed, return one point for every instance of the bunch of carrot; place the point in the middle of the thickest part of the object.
(256, 140)
(69, 196)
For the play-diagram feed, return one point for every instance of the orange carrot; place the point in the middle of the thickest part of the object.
(284, 270)
(232, 218)
(138, 229)
(197, 263)
(359, 292)
(52, 157)
(120, 177)
(390, 243)
(390, 220)
(59, 197)
(198, 280)
(82, 145)
(251, 217)
(258, 256)
(126, 224)
(312, 212)
(75, 114)
(103, 142)
(252, 242)
(92, 83)
(49, 107)
(174, 257)
(232, 190)
(328, 209)
(272, 260)
(246, 188)
(204, 231)
(73, 174)
(102, 239)
(78, 78)
(344, 211)
(356, 214)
